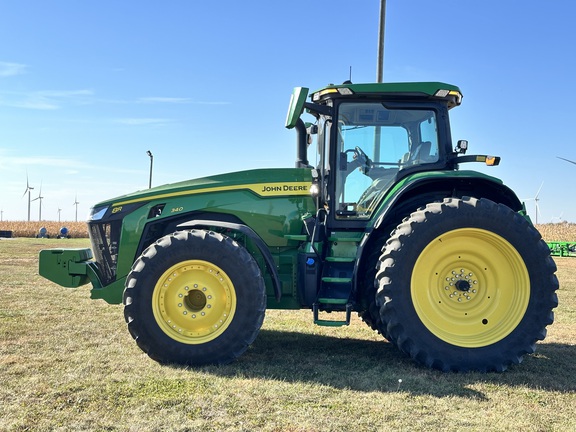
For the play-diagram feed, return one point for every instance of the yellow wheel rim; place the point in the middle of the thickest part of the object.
(470, 287)
(194, 302)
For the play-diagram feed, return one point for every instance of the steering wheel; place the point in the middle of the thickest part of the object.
(362, 159)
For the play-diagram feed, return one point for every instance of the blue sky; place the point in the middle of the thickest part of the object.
(86, 88)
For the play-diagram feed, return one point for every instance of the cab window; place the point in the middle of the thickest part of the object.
(373, 145)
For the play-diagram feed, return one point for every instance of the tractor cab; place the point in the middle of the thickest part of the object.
(375, 142)
(369, 136)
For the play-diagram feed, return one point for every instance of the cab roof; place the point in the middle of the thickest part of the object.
(417, 90)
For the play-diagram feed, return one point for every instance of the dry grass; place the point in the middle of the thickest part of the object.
(31, 229)
(68, 363)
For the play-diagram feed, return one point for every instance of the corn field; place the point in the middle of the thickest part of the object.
(565, 232)
(31, 229)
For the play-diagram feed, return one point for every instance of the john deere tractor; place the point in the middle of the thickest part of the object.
(442, 261)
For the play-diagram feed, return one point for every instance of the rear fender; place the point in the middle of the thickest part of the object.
(423, 190)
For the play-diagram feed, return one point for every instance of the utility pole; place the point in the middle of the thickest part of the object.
(380, 66)
(149, 153)
(380, 70)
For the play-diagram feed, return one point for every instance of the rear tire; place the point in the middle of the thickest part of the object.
(367, 282)
(466, 284)
(194, 298)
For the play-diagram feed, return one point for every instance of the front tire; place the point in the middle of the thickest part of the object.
(194, 298)
(466, 284)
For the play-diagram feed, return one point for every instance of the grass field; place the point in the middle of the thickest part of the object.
(68, 363)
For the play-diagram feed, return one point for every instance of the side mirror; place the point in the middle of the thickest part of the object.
(296, 106)
(461, 146)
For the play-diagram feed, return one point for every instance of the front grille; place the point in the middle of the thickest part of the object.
(105, 238)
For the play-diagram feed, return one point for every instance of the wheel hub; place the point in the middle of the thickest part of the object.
(461, 285)
(195, 300)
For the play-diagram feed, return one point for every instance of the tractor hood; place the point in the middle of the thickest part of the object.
(262, 182)
(269, 201)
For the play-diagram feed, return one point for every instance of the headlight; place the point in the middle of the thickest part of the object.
(97, 213)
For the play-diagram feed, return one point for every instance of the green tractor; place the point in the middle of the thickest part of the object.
(443, 262)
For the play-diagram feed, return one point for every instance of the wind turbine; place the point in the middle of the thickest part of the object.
(536, 199)
(59, 211)
(28, 189)
(76, 204)
(557, 217)
(40, 197)
(567, 160)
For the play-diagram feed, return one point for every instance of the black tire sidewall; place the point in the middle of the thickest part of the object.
(397, 309)
(220, 250)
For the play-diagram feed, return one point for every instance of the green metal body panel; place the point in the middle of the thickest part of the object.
(240, 180)
(69, 268)
(270, 201)
(406, 182)
(110, 293)
(296, 106)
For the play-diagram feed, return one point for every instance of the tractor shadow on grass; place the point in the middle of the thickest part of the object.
(368, 366)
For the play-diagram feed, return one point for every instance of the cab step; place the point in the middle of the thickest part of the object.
(331, 323)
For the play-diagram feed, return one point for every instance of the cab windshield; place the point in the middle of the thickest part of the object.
(374, 144)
